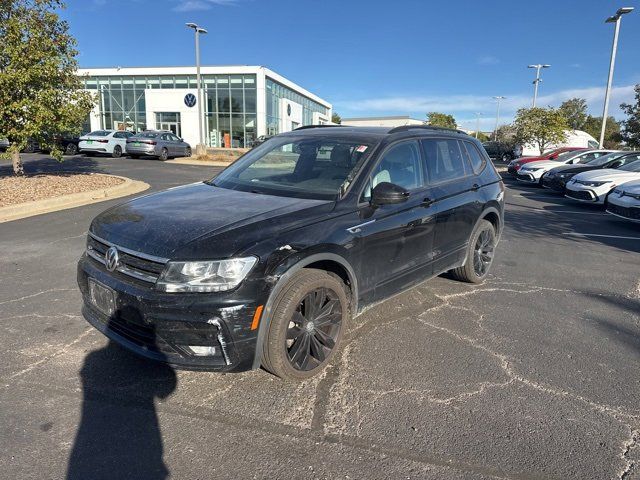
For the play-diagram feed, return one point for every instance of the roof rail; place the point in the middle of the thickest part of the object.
(404, 128)
(306, 127)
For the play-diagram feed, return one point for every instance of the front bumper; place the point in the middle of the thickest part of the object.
(555, 183)
(527, 177)
(624, 207)
(583, 194)
(161, 326)
(512, 170)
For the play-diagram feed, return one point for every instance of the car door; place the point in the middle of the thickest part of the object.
(179, 145)
(394, 241)
(454, 191)
(168, 144)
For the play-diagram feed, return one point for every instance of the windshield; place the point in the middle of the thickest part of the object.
(566, 156)
(304, 167)
(147, 135)
(549, 152)
(596, 162)
(634, 166)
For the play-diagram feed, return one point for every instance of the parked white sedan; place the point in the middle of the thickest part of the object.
(624, 201)
(595, 186)
(532, 172)
(112, 142)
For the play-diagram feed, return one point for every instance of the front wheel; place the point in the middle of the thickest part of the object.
(164, 154)
(187, 152)
(72, 149)
(480, 251)
(117, 151)
(307, 324)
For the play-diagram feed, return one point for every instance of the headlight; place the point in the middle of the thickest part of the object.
(593, 184)
(566, 175)
(210, 276)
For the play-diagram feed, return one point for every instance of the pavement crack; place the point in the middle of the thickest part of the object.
(43, 292)
(628, 447)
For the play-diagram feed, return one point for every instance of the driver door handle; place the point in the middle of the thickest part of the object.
(475, 187)
(427, 202)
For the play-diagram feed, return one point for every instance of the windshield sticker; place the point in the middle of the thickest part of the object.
(361, 149)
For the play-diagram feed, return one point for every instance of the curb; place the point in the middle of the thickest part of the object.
(64, 202)
(202, 163)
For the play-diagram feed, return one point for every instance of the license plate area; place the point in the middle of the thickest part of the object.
(102, 297)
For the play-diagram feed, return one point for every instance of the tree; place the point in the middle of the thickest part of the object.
(541, 127)
(507, 135)
(631, 126)
(335, 118)
(483, 137)
(575, 111)
(441, 120)
(40, 92)
(612, 136)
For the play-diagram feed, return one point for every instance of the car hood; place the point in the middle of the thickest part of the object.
(162, 223)
(546, 164)
(608, 174)
(632, 187)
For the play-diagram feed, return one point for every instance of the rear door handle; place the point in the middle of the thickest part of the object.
(427, 202)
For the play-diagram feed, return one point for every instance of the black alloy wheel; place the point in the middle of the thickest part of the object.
(483, 253)
(117, 151)
(187, 152)
(72, 149)
(314, 329)
(164, 154)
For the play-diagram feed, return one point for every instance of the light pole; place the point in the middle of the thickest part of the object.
(200, 149)
(477, 122)
(614, 19)
(538, 67)
(495, 131)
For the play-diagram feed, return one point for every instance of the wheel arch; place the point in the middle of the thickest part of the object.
(330, 262)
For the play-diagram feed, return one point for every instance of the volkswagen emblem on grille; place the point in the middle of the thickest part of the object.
(111, 259)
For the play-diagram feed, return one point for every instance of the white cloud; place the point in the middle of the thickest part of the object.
(464, 106)
(194, 5)
(488, 60)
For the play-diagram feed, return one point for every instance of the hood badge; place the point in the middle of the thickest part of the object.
(111, 259)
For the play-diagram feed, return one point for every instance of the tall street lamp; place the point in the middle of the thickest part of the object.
(613, 19)
(538, 67)
(200, 149)
(477, 122)
(495, 131)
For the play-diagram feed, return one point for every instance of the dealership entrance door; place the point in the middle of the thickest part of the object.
(169, 121)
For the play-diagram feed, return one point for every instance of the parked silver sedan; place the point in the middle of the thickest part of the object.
(157, 143)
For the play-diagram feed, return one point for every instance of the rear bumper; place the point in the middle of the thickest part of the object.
(161, 326)
(149, 150)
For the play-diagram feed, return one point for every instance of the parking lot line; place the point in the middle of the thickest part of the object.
(576, 234)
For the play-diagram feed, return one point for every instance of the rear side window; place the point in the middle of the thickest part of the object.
(476, 160)
(444, 160)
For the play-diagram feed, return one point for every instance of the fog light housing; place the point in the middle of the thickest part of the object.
(202, 351)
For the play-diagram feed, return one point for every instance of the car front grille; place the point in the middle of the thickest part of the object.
(145, 268)
(633, 213)
(579, 195)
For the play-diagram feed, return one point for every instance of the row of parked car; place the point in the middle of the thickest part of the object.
(601, 177)
(150, 143)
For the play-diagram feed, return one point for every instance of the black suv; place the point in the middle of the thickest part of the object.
(499, 151)
(265, 264)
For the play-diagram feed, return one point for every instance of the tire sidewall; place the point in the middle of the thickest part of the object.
(164, 154)
(117, 151)
(482, 226)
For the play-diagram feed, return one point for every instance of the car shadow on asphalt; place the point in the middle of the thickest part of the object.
(119, 434)
(77, 164)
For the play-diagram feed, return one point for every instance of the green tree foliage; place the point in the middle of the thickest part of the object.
(441, 120)
(612, 137)
(507, 134)
(575, 111)
(631, 126)
(335, 118)
(483, 137)
(40, 93)
(541, 127)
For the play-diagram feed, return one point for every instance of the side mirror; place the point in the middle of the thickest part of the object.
(386, 193)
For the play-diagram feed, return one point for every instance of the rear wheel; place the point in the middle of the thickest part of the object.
(187, 152)
(164, 154)
(307, 325)
(480, 252)
(72, 149)
(117, 151)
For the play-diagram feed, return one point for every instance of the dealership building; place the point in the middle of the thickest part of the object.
(240, 103)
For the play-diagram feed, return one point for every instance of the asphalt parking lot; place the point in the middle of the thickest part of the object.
(533, 374)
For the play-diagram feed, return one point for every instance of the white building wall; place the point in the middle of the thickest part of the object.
(172, 100)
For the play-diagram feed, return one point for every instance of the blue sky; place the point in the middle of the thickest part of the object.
(374, 57)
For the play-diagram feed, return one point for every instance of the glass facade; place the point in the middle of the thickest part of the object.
(275, 91)
(230, 105)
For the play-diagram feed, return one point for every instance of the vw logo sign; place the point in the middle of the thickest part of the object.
(111, 259)
(190, 100)
(288, 109)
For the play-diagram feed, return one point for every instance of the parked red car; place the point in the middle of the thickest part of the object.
(516, 164)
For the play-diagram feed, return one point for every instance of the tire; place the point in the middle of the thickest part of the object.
(117, 151)
(72, 149)
(480, 251)
(164, 154)
(29, 148)
(187, 152)
(295, 322)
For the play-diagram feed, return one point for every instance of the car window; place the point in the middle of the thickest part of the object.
(476, 160)
(174, 137)
(100, 133)
(444, 160)
(147, 135)
(605, 158)
(119, 135)
(632, 166)
(401, 165)
(164, 137)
